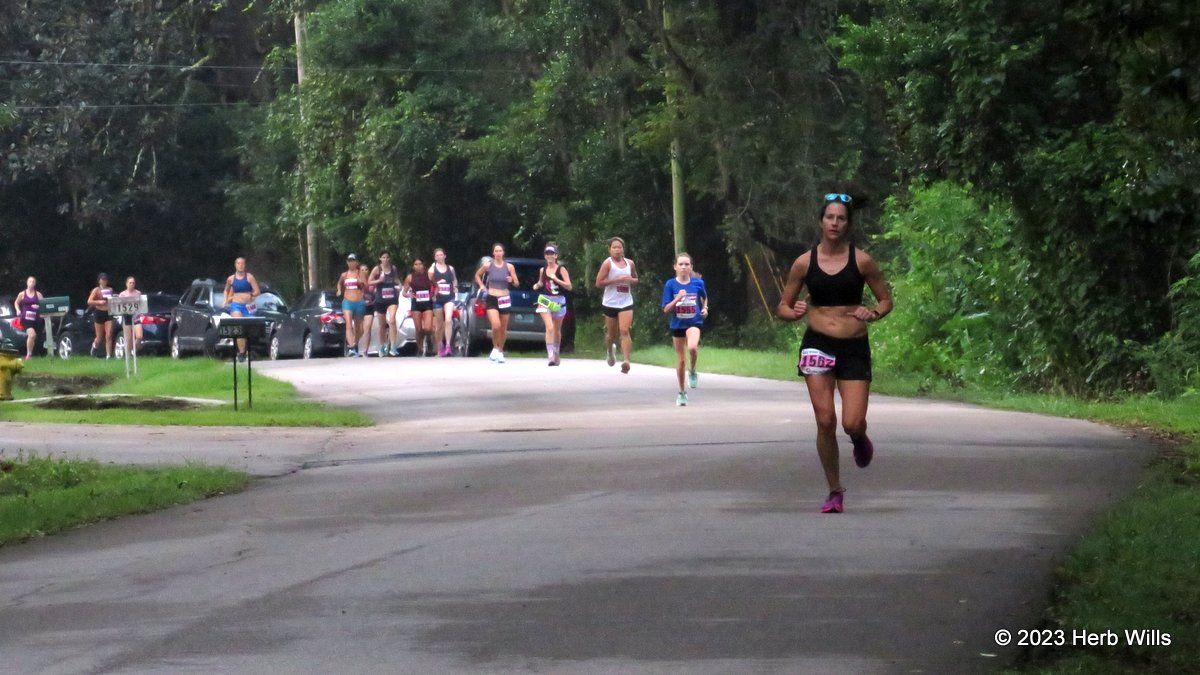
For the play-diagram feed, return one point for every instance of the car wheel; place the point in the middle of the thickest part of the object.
(65, 347)
(210, 342)
(459, 341)
(119, 347)
(176, 350)
(308, 346)
(273, 351)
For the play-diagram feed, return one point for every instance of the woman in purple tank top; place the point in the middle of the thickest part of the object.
(29, 312)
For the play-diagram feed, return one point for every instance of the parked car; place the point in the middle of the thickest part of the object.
(76, 334)
(154, 323)
(11, 339)
(524, 325)
(194, 321)
(8, 317)
(314, 327)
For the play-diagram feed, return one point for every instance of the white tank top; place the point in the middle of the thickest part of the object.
(617, 296)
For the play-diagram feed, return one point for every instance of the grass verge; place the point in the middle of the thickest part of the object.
(275, 403)
(41, 496)
(1138, 570)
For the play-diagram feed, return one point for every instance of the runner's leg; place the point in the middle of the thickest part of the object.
(820, 392)
(679, 344)
(625, 323)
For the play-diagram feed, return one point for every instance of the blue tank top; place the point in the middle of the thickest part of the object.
(242, 285)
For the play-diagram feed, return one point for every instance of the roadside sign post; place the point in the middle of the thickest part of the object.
(247, 328)
(127, 308)
(52, 308)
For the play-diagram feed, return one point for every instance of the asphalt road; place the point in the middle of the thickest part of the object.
(519, 517)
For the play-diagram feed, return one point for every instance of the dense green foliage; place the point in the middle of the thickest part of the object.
(1081, 119)
(1031, 171)
(97, 156)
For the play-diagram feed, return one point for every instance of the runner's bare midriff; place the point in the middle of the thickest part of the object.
(242, 298)
(836, 321)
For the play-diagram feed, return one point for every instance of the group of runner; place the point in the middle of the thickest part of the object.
(834, 352)
(28, 304)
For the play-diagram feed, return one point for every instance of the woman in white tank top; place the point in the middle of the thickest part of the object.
(617, 276)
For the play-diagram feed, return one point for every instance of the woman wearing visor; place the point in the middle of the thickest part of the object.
(554, 282)
(835, 353)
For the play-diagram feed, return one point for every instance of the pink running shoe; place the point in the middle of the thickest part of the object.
(864, 450)
(833, 504)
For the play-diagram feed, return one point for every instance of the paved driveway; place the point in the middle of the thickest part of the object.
(517, 517)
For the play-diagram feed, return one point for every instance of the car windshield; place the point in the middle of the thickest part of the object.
(161, 303)
(269, 302)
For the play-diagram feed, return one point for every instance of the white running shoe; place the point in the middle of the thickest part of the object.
(492, 356)
(681, 399)
(612, 355)
(499, 357)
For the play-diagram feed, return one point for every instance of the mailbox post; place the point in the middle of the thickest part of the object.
(126, 308)
(250, 328)
(53, 308)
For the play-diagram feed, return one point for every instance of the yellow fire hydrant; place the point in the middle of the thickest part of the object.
(10, 365)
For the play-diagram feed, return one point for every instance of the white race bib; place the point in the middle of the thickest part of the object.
(387, 292)
(815, 362)
(686, 307)
(443, 287)
(30, 315)
(504, 302)
(422, 296)
(622, 289)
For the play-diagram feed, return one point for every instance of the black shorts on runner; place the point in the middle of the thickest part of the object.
(492, 302)
(614, 312)
(852, 355)
(425, 306)
(682, 332)
(380, 306)
(102, 317)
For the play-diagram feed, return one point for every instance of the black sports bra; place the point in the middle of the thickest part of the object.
(834, 290)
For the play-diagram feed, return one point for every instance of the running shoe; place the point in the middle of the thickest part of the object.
(625, 367)
(557, 359)
(499, 357)
(681, 399)
(864, 450)
(833, 504)
(612, 355)
(693, 379)
(494, 353)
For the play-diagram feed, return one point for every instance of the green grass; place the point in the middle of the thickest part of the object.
(1139, 569)
(275, 402)
(42, 496)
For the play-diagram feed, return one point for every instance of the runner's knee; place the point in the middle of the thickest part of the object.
(854, 428)
(826, 422)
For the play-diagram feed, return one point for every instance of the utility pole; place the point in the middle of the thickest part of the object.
(310, 230)
(677, 193)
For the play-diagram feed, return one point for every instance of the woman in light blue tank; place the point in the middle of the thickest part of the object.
(497, 277)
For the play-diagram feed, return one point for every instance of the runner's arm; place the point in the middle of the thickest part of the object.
(565, 279)
(789, 307)
(512, 275)
(602, 275)
(255, 291)
(375, 277)
(338, 290)
(632, 279)
(879, 288)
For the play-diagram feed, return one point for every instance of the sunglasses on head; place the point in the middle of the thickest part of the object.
(839, 197)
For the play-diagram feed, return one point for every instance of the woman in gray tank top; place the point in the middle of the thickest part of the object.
(497, 276)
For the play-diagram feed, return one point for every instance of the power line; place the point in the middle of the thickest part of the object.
(89, 106)
(172, 66)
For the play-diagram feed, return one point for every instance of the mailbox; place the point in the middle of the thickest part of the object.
(55, 306)
(249, 327)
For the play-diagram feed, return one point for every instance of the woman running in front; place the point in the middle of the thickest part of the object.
(28, 304)
(241, 288)
(419, 287)
(834, 352)
(497, 277)
(351, 286)
(445, 280)
(554, 282)
(685, 300)
(617, 276)
(98, 301)
(131, 291)
(387, 299)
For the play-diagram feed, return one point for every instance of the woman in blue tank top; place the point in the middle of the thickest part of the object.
(834, 352)
(240, 290)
